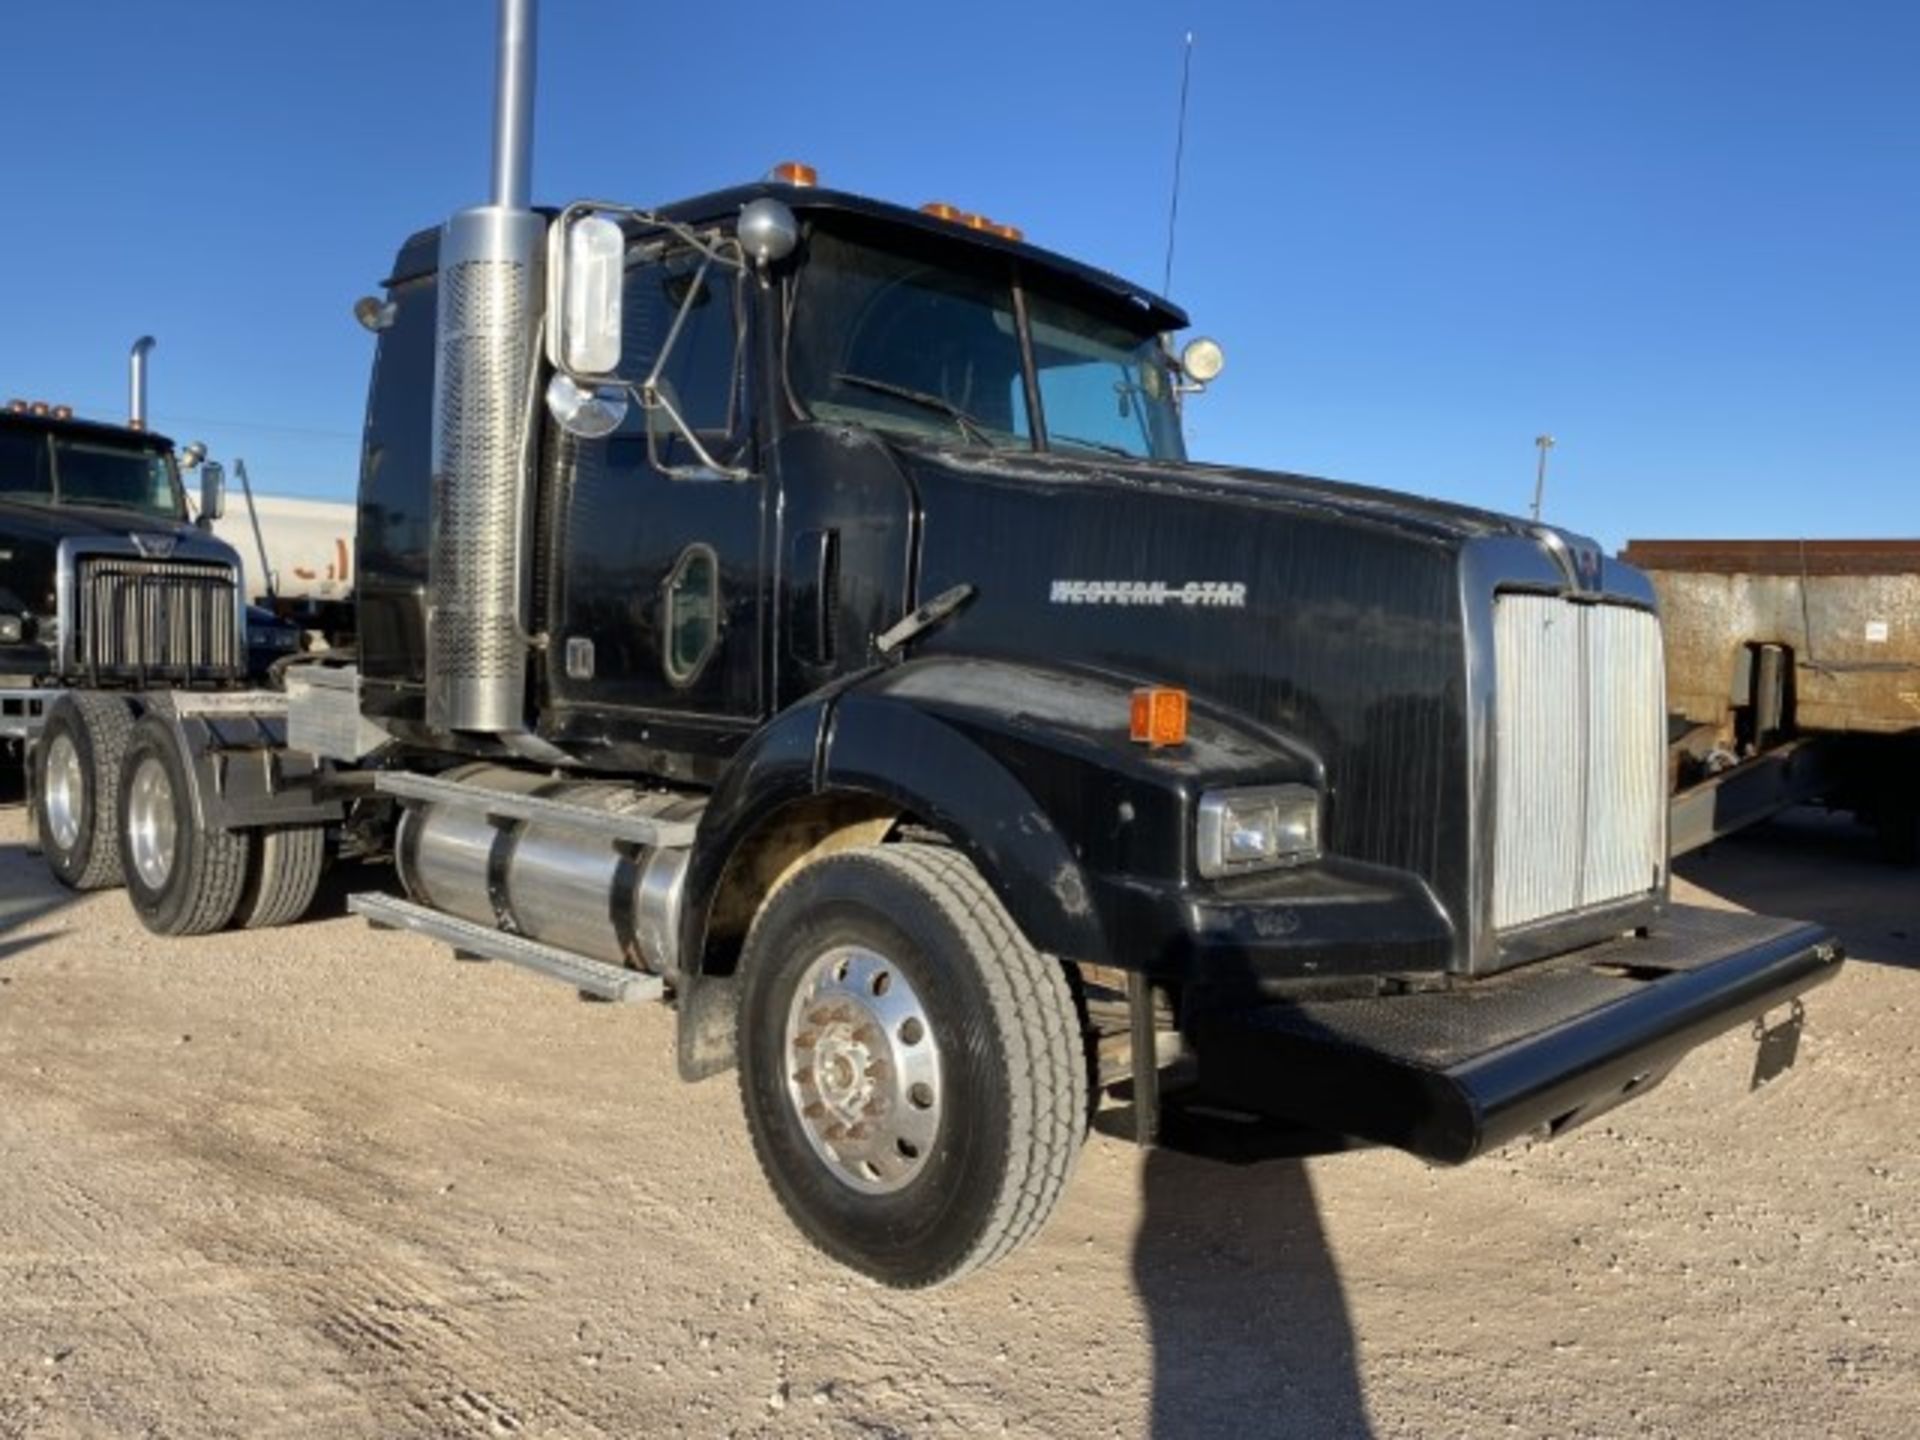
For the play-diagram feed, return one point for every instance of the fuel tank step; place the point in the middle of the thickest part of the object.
(1450, 1074)
(606, 824)
(591, 977)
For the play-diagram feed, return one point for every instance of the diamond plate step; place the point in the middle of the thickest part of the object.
(593, 977)
(637, 829)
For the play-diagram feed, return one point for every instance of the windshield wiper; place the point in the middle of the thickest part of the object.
(91, 502)
(969, 426)
(1105, 446)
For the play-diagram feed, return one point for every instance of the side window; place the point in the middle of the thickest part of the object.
(692, 625)
(702, 374)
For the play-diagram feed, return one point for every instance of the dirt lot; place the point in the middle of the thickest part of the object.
(328, 1182)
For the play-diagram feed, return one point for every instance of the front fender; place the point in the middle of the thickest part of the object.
(885, 745)
(1031, 770)
(1028, 770)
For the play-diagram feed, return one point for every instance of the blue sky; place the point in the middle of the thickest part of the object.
(1685, 238)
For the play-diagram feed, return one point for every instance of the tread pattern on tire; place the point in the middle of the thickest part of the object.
(284, 876)
(222, 877)
(1039, 1025)
(211, 864)
(109, 724)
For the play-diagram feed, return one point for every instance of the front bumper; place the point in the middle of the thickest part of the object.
(1449, 1074)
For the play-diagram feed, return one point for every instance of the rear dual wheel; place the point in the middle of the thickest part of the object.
(283, 877)
(76, 784)
(183, 878)
(186, 878)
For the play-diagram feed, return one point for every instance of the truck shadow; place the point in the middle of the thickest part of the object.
(1813, 865)
(28, 891)
(1245, 1310)
(350, 877)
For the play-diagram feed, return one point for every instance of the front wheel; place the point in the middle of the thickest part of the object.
(183, 878)
(911, 1067)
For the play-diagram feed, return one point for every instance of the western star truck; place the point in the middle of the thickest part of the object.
(802, 609)
(107, 577)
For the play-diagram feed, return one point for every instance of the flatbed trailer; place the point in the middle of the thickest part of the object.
(1793, 677)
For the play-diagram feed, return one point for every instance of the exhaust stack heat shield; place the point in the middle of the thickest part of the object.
(491, 286)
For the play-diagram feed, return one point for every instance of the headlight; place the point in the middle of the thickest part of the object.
(13, 629)
(1258, 828)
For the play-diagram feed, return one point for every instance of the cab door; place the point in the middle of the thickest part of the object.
(657, 583)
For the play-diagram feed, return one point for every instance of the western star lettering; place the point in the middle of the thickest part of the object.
(1194, 594)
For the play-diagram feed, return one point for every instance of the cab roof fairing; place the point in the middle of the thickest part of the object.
(419, 254)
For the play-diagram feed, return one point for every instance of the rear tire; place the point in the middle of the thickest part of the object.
(283, 877)
(911, 1068)
(183, 879)
(76, 784)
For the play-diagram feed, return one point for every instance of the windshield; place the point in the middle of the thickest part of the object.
(45, 468)
(1102, 387)
(899, 342)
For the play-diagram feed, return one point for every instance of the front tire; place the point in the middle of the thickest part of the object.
(182, 878)
(911, 1068)
(75, 786)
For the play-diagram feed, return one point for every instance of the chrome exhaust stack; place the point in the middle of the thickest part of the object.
(491, 289)
(137, 383)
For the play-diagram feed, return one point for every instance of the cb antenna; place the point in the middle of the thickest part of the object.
(1179, 153)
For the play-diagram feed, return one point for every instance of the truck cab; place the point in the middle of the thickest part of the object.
(109, 589)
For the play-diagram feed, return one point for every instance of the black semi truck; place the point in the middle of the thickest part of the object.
(802, 609)
(108, 578)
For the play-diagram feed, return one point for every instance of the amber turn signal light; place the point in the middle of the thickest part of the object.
(1159, 716)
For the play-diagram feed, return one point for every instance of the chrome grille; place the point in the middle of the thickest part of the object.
(1579, 756)
(166, 618)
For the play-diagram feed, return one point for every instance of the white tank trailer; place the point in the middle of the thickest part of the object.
(300, 557)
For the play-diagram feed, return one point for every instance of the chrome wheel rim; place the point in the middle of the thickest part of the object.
(863, 1070)
(152, 830)
(65, 791)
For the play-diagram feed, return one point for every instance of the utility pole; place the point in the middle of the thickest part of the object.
(1543, 443)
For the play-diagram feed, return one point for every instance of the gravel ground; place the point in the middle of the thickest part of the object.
(327, 1181)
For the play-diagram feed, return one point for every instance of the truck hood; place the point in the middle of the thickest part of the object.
(30, 537)
(1235, 485)
(1339, 617)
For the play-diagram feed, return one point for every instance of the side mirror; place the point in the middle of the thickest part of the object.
(586, 265)
(213, 491)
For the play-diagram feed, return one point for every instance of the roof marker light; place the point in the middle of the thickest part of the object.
(953, 214)
(794, 172)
